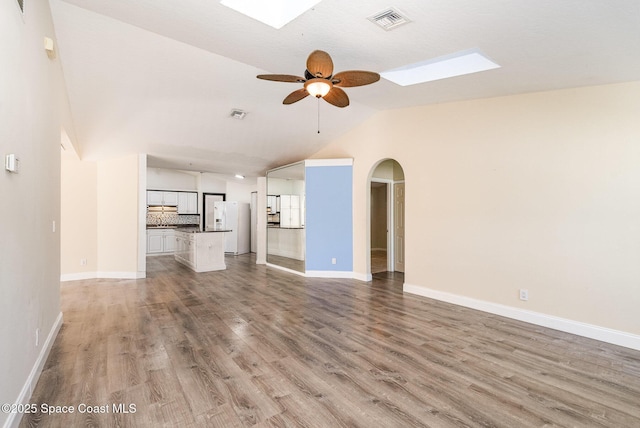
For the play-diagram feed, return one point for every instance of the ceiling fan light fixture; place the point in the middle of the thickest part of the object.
(318, 87)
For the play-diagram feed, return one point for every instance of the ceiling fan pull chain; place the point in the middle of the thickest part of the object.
(318, 115)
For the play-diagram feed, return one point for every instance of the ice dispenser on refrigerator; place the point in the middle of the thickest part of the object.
(236, 217)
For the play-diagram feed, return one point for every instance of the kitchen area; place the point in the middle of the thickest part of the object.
(174, 226)
(291, 229)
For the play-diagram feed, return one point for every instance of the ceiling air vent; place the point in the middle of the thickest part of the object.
(389, 18)
(236, 113)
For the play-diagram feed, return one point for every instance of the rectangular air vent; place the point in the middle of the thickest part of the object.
(236, 113)
(389, 18)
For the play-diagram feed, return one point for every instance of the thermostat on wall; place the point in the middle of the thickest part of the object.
(11, 163)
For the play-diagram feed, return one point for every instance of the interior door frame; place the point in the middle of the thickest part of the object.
(390, 222)
(393, 198)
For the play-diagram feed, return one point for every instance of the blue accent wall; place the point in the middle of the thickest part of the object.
(329, 218)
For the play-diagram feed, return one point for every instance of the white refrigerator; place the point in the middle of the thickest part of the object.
(234, 216)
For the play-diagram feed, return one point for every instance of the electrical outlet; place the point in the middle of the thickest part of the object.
(524, 294)
(53, 226)
(37, 336)
(83, 262)
(333, 261)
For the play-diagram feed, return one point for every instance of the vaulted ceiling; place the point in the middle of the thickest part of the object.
(162, 76)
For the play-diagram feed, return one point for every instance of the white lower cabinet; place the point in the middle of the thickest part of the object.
(202, 252)
(169, 242)
(184, 248)
(161, 241)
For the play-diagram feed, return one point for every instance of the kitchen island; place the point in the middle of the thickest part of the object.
(200, 251)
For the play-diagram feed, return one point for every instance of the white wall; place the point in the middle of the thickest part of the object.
(171, 179)
(281, 186)
(536, 191)
(261, 239)
(33, 109)
(240, 192)
(212, 183)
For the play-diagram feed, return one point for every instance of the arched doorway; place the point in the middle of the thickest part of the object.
(386, 215)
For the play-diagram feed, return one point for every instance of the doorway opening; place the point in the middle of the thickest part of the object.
(386, 214)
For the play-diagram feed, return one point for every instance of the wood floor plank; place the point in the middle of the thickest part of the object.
(254, 346)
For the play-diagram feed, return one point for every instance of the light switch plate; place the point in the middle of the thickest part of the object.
(11, 163)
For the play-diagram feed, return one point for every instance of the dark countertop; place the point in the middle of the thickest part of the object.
(173, 226)
(197, 230)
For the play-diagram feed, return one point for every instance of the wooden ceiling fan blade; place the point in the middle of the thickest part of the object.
(337, 97)
(319, 64)
(346, 79)
(295, 96)
(281, 78)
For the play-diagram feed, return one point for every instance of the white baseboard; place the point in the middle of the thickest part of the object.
(366, 277)
(27, 390)
(329, 274)
(101, 275)
(117, 275)
(603, 334)
(77, 276)
(325, 273)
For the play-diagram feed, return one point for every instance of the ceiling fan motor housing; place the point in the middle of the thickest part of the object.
(318, 87)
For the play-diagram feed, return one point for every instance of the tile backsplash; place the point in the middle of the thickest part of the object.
(172, 219)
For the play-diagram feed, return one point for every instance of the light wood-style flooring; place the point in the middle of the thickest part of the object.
(378, 261)
(256, 346)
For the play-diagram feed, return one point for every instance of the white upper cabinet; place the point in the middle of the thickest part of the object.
(157, 197)
(290, 211)
(187, 203)
(154, 197)
(170, 198)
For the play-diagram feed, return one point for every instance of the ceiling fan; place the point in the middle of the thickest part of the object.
(320, 81)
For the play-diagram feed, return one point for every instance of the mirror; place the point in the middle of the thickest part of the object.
(286, 217)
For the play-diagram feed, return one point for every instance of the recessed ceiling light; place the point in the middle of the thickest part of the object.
(456, 64)
(276, 13)
(240, 176)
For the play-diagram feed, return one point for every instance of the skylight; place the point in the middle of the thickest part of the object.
(276, 13)
(456, 64)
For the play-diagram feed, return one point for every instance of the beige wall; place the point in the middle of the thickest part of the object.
(78, 217)
(101, 219)
(117, 216)
(33, 108)
(536, 191)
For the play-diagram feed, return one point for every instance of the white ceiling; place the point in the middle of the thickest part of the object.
(161, 76)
